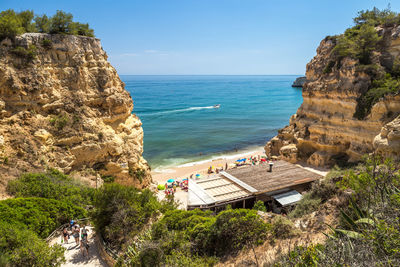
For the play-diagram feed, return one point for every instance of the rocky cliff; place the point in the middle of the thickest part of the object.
(62, 105)
(299, 82)
(324, 130)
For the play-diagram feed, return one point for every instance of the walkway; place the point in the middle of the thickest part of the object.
(73, 254)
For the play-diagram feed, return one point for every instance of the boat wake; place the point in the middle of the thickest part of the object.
(176, 111)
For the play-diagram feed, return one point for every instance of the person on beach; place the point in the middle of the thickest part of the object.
(75, 233)
(85, 247)
(226, 166)
(84, 233)
(66, 235)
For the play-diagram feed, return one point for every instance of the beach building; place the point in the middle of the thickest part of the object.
(241, 187)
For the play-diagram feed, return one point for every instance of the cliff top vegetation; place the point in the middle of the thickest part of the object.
(362, 42)
(14, 23)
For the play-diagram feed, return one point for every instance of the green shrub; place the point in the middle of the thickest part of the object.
(282, 227)
(51, 185)
(379, 89)
(358, 42)
(60, 121)
(138, 174)
(28, 54)
(184, 259)
(122, 211)
(259, 205)
(235, 229)
(305, 206)
(108, 178)
(47, 43)
(368, 232)
(14, 23)
(42, 23)
(328, 68)
(377, 17)
(39, 214)
(60, 22)
(10, 24)
(211, 235)
(22, 247)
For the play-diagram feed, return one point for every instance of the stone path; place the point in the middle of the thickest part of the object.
(74, 256)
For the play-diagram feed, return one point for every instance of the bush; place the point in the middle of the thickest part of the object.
(305, 206)
(47, 43)
(42, 23)
(28, 54)
(282, 227)
(358, 43)
(234, 229)
(328, 68)
(211, 235)
(51, 185)
(60, 22)
(183, 259)
(259, 205)
(138, 174)
(60, 121)
(368, 233)
(122, 211)
(13, 24)
(379, 89)
(320, 192)
(38, 214)
(22, 247)
(10, 24)
(377, 17)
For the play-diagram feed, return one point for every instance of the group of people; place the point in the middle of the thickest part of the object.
(251, 161)
(80, 235)
(217, 170)
(170, 189)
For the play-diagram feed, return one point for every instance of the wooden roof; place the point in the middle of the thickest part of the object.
(283, 175)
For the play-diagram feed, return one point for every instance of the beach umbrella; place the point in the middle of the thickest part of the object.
(170, 181)
(197, 175)
(185, 179)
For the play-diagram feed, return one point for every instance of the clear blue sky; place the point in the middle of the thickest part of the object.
(209, 36)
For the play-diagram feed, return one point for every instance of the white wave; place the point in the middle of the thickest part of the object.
(177, 110)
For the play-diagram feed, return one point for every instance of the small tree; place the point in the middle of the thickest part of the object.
(26, 18)
(10, 24)
(42, 23)
(259, 205)
(61, 22)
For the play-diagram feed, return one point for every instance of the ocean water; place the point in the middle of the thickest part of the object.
(181, 125)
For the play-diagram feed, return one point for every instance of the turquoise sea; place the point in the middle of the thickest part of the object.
(181, 126)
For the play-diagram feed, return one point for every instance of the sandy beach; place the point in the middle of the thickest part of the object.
(184, 171)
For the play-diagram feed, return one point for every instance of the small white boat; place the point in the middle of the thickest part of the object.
(217, 106)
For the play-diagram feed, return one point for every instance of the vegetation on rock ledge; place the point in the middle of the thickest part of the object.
(360, 42)
(14, 23)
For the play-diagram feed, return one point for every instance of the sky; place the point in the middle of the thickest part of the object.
(209, 37)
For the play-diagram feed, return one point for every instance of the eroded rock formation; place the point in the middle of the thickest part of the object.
(324, 129)
(299, 82)
(67, 109)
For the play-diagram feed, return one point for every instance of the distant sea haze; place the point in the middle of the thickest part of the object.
(181, 124)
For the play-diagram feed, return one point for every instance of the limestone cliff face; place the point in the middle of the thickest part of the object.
(67, 109)
(324, 130)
